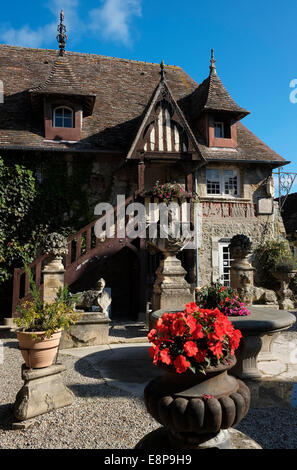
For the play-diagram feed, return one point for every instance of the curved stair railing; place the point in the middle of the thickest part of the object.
(82, 247)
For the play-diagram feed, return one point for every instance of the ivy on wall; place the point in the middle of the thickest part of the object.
(17, 193)
(38, 195)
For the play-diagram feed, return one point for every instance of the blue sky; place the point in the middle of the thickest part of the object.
(254, 45)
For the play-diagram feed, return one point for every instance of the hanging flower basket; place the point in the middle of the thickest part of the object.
(167, 191)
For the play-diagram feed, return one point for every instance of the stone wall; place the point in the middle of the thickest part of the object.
(220, 218)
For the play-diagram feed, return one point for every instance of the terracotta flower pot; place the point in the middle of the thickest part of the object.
(38, 353)
(193, 406)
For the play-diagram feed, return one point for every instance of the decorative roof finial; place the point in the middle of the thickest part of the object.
(62, 36)
(212, 63)
(162, 72)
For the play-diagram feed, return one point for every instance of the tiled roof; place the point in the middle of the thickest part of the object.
(212, 95)
(250, 148)
(123, 89)
(62, 79)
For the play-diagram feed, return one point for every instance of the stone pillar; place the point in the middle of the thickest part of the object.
(53, 274)
(53, 279)
(241, 271)
(284, 293)
(171, 290)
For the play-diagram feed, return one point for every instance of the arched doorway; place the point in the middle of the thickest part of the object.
(121, 273)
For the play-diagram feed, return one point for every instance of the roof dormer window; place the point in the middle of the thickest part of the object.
(219, 130)
(63, 117)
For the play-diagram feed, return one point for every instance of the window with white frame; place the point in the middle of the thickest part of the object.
(224, 262)
(222, 182)
(63, 117)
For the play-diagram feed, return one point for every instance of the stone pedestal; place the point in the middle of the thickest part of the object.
(92, 329)
(171, 288)
(266, 353)
(42, 392)
(247, 354)
(242, 278)
(284, 293)
(53, 279)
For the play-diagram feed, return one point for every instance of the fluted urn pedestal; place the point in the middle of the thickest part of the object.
(196, 410)
(284, 293)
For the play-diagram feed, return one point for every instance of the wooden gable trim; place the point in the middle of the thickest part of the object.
(156, 120)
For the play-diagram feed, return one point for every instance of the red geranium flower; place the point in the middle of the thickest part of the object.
(165, 356)
(152, 335)
(191, 322)
(191, 307)
(191, 348)
(178, 327)
(235, 340)
(216, 348)
(197, 333)
(200, 356)
(181, 364)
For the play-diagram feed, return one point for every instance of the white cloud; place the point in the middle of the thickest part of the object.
(113, 19)
(28, 37)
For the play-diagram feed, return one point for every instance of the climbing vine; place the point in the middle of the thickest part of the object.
(38, 196)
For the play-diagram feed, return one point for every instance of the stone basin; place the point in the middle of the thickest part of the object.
(259, 330)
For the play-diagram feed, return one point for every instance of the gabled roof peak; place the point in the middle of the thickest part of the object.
(211, 95)
(164, 129)
(162, 70)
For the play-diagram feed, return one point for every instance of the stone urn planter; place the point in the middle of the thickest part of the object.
(196, 410)
(38, 352)
(284, 293)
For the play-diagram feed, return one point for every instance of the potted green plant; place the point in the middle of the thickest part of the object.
(41, 324)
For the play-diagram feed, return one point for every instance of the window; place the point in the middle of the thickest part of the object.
(230, 182)
(63, 117)
(219, 130)
(222, 182)
(224, 263)
(213, 182)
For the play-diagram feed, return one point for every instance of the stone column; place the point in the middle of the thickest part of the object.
(53, 273)
(284, 293)
(53, 279)
(241, 271)
(171, 290)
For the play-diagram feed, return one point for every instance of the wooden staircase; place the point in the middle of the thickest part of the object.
(83, 246)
